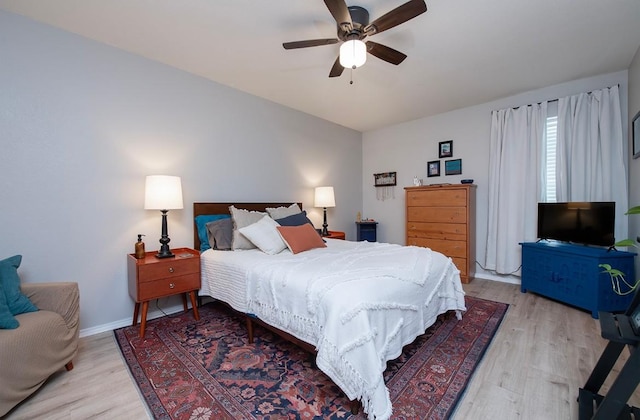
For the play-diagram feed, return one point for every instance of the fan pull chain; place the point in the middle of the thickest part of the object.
(351, 75)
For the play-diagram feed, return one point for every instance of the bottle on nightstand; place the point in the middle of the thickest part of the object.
(139, 247)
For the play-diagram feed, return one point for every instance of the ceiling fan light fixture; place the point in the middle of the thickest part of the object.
(353, 54)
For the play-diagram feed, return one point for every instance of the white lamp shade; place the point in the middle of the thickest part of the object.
(324, 197)
(163, 192)
(353, 53)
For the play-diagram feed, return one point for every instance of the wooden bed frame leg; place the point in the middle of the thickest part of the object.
(249, 328)
(355, 407)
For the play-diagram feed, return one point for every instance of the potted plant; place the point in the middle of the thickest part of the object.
(618, 281)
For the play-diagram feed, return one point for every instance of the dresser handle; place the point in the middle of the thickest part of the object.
(171, 269)
(171, 285)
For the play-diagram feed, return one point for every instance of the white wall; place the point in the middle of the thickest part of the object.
(82, 124)
(406, 148)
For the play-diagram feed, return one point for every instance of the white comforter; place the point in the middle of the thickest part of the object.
(359, 303)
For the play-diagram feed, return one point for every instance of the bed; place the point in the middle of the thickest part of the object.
(356, 304)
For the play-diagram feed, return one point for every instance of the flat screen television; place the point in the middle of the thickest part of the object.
(589, 223)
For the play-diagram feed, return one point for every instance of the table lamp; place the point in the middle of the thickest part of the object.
(164, 193)
(324, 198)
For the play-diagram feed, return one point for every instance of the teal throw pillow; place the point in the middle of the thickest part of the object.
(201, 226)
(10, 284)
(7, 321)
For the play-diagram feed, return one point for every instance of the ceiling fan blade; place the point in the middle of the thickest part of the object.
(399, 15)
(340, 13)
(309, 43)
(385, 53)
(337, 68)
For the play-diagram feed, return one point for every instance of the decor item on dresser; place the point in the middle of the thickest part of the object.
(453, 167)
(442, 217)
(335, 294)
(164, 193)
(445, 149)
(324, 197)
(39, 325)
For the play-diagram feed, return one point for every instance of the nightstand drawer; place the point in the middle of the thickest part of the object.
(175, 268)
(168, 286)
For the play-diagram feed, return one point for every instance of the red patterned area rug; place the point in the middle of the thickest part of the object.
(205, 369)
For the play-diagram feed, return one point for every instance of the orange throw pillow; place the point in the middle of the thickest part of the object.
(301, 238)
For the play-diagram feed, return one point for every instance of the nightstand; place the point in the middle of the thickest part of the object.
(334, 234)
(153, 278)
(366, 231)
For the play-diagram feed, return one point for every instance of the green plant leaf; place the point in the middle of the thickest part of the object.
(625, 242)
(633, 210)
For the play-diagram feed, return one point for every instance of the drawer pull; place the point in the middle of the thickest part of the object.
(171, 269)
(171, 285)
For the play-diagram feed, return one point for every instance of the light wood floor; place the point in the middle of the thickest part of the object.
(541, 354)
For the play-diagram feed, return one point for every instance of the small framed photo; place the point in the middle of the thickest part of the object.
(453, 167)
(445, 149)
(433, 168)
(384, 179)
(635, 135)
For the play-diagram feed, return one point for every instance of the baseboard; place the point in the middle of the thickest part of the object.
(127, 321)
(495, 277)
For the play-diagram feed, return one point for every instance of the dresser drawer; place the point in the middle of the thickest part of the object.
(175, 268)
(453, 231)
(168, 286)
(437, 214)
(446, 247)
(437, 198)
(461, 264)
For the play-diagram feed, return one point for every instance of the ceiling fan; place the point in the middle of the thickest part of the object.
(353, 25)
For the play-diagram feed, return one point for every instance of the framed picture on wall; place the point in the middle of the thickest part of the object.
(384, 179)
(433, 168)
(453, 167)
(635, 135)
(445, 149)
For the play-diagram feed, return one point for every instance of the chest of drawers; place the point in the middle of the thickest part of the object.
(443, 218)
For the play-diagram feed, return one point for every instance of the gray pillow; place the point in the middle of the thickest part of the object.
(220, 234)
(242, 218)
(282, 212)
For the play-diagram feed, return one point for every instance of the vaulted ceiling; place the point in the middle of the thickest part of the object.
(460, 52)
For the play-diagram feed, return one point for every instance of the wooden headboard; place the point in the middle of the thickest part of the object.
(223, 208)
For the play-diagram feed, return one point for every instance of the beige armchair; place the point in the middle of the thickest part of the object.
(44, 342)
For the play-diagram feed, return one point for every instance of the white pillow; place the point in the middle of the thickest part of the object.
(282, 212)
(242, 218)
(264, 234)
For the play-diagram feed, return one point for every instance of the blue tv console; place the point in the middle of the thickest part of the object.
(570, 273)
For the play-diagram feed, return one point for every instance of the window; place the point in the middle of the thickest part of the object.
(550, 164)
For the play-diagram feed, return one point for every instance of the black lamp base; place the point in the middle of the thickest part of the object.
(325, 226)
(165, 254)
(164, 251)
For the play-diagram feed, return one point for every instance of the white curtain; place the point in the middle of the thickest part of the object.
(516, 182)
(590, 162)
